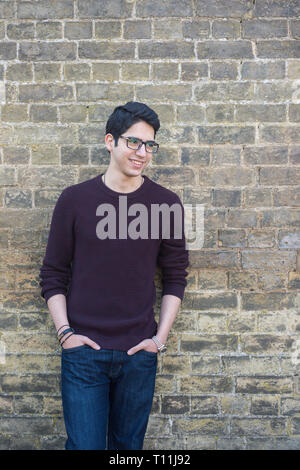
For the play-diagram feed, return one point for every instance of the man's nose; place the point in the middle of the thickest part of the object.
(142, 151)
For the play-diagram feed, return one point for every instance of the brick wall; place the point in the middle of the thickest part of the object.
(224, 77)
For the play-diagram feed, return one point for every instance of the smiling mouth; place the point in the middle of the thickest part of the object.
(136, 163)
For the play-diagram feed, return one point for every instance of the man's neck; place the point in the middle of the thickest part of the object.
(122, 184)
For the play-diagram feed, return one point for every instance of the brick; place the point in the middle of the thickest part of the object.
(20, 31)
(242, 280)
(217, 91)
(195, 29)
(223, 71)
(14, 113)
(42, 9)
(192, 113)
(235, 405)
(261, 239)
(264, 28)
(289, 239)
(8, 50)
(75, 155)
(19, 72)
(191, 71)
(47, 72)
(175, 365)
(268, 301)
(211, 384)
(164, 50)
(266, 155)
(220, 112)
(264, 385)
(169, 8)
(49, 30)
(281, 49)
(137, 29)
(205, 365)
(222, 156)
(227, 198)
(47, 51)
(240, 322)
(266, 343)
(280, 134)
(255, 366)
(226, 134)
(213, 259)
(295, 28)
(286, 196)
(258, 427)
(107, 29)
(44, 155)
(275, 91)
(231, 8)
(275, 322)
(229, 29)
(212, 279)
(175, 404)
(204, 405)
(293, 69)
(243, 218)
(276, 8)
(135, 71)
(18, 198)
(260, 112)
(96, 91)
(256, 197)
(36, 93)
(232, 238)
(43, 113)
(204, 426)
(209, 343)
(78, 30)
(281, 217)
(106, 50)
(165, 72)
(81, 71)
(102, 9)
(294, 112)
(237, 49)
(171, 29)
(72, 113)
(259, 70)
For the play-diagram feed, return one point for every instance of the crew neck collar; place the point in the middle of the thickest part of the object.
(132, 194)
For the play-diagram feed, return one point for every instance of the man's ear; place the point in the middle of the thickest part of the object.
(109, 142)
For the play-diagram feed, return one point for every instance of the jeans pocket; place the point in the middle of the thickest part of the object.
(76, 348)
(150, 353)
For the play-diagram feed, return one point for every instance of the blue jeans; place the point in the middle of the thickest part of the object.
(107, 397)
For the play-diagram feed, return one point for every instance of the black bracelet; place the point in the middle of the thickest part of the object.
(63, 333)
(61, 328)
(66, 339)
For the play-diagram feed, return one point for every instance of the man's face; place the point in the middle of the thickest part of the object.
(122, 157)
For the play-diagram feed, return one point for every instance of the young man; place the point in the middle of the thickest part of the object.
(97, 279)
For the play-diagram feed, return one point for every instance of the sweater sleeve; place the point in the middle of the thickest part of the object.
(55, 272)
(173, 259)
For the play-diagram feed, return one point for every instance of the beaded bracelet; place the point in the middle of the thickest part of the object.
(63, 333)
(61, 328)
(66, 339)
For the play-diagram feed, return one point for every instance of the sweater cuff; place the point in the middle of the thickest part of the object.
(49, 294)
(174, 289)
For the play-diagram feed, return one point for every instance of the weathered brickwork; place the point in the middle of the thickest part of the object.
(224, 77)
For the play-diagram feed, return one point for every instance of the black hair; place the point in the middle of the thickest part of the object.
(125, 116)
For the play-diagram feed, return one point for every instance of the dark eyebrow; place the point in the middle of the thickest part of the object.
(133, 137)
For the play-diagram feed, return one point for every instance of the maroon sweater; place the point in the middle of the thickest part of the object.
(109, 283)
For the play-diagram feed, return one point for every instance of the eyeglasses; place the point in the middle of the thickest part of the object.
(134, 143)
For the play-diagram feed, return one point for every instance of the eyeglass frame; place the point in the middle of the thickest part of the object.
(140, 144)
